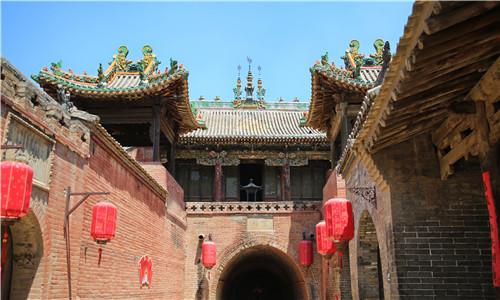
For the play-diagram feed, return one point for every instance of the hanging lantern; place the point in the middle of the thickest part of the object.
(103, 227)
(208, 254)
(103, 222)
(324, 245)
(306, 253)
(17, 178)
(339, 220)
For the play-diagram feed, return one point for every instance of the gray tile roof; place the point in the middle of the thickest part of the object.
(263, 126)
(369, 75)
(125, 81)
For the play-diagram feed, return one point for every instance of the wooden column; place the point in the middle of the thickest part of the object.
(218, 180)
(286, 177)
(332, 153)
(156, 133)
(172, 159)
(489, 161)
(282, 181)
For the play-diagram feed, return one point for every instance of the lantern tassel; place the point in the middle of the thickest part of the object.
(208, 275)
(340, 257)
(4, 247)
(307, 272)
(100, 252)
(336, 297)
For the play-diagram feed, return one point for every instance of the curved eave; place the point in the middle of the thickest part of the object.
(185, 111)
(322, 104)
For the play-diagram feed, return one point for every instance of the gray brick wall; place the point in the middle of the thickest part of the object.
(441, 230)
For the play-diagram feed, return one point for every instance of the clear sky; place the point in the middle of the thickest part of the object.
(209, 38)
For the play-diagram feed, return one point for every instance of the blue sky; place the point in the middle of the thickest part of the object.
(209, 38)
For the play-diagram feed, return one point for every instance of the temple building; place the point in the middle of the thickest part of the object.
(220, 199)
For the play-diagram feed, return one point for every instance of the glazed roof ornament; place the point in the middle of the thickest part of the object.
(124, 80)
(360, 73)
(249, 101)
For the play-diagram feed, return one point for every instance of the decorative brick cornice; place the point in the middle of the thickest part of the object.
(252, 207)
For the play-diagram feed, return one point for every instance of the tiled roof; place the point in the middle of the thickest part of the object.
(427, 76)
(125, 82)
(122, 78)
(347, 79)
(369, 74)
(360, 75)
(226, 125)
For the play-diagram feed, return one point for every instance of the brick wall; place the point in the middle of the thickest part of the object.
(229, 232)
(339, 279)
(89, 163)
(441, 231)
(368, 267)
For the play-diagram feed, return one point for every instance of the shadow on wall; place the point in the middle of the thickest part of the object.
(23, 271)
(261, 272)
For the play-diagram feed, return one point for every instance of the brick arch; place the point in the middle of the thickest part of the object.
(27, 258)
(368, 266)
(227, 255)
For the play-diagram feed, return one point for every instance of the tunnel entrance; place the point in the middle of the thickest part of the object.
(261, 273)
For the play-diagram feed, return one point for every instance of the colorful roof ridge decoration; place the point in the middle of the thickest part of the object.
(126, 80)
(361, 72)
(331, 84)
(249, 101)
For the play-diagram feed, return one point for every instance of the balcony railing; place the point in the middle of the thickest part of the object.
(252, 207)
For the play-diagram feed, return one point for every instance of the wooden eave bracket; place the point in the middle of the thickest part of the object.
(483, 126)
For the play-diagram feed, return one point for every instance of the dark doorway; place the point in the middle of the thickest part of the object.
(370, 279)
(247, 172)
(7, 267)
(261, 273)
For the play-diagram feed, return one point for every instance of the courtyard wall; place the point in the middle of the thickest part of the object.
(78, 153)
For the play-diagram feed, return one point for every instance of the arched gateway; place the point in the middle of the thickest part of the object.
(261, 272)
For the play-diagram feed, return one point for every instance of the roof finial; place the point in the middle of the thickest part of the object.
(249, 63)
(249, 88)
(237, 91)
(259, 68)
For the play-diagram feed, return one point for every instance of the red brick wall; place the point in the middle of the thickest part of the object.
(144, 225)
(230, 234)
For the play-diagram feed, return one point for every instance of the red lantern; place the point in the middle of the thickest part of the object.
(103, 227)
(17, 179)
(209, 254)
(323, 244)
(103, 222)
(339, 220)
(306, 253)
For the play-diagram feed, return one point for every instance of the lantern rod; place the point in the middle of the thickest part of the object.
(66, 225)
(6, 147)
(83, 199)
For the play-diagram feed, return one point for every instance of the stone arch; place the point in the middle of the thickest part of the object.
(369, 267)
(253, 248)
(25, 257)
